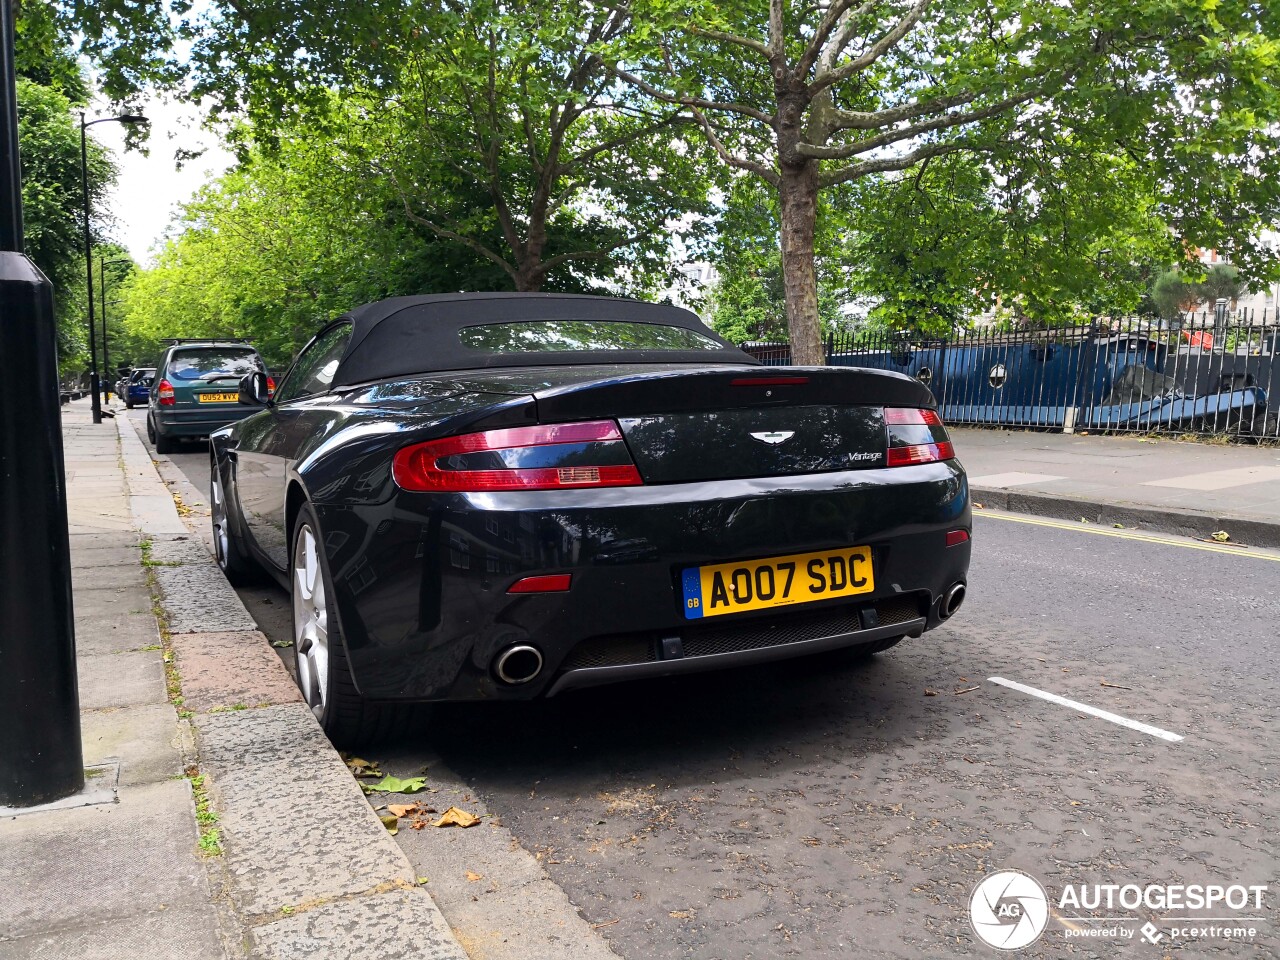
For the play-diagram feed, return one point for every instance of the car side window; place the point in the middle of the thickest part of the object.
(313, 371)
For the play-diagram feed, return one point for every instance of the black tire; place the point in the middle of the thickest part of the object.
(128, 404)
(163, 444)
(237, 566)
(347, 718)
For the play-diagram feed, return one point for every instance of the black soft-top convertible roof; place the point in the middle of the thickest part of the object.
(405, 336)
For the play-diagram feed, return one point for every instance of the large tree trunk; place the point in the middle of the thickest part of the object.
(798, 203)
(529, 279)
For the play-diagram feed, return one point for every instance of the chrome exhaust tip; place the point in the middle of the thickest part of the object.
(518, 664)
(952, 600)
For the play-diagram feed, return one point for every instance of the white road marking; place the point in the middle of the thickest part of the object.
(1085, 708)
(1219, 479)
(1011, 479)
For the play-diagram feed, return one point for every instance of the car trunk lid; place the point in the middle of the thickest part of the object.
(713, 424)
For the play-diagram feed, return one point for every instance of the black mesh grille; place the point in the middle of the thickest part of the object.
(611, 652)
(706, 641)
(898, 610)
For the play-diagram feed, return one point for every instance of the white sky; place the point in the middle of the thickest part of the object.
(150, 189)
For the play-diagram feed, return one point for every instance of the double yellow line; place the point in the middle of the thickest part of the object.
(1253, 553)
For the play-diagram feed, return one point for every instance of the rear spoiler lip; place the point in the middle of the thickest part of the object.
(706, 389)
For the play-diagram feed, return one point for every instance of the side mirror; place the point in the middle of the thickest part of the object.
(253, 389)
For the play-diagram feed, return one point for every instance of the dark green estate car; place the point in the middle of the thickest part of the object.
(196, 389)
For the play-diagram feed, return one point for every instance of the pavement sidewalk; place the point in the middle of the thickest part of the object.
(1187, 488)
(217, 821)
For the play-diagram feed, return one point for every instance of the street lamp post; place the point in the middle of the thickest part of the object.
(102, 280)
(41, 755)
(128, 119)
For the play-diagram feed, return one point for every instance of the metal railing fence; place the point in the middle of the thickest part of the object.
(1211, 373)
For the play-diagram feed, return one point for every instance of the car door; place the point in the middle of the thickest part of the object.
(268, 444)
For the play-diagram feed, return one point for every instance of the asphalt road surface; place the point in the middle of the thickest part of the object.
(829, 808)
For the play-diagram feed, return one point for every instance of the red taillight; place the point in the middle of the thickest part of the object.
(907, 416)
(554, 583)
(915, 435)
(919, 453)
(271, 386)
(164, 390)
(419, 467)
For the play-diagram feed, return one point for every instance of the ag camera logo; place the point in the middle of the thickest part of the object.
(1009, 910)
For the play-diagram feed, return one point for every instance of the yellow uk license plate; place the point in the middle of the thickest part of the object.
(721, 588)
(218, 397)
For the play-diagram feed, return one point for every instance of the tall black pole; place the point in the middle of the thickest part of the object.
(88, 272)
(10, 169)
(41, 757)
(102, 302)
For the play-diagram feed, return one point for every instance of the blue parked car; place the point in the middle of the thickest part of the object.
(138, 389)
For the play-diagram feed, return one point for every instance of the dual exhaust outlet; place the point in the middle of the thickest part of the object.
(951, 600)
(518, 664)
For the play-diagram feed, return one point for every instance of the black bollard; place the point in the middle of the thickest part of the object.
(41, 758)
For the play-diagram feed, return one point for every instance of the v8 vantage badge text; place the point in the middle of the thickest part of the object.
(1010, 910)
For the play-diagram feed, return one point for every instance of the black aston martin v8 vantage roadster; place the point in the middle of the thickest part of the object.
(505, 496)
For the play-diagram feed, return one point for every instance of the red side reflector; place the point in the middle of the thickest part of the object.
(768, 381)
(957, 537)
(912, 415)
(555, 583)
(919, 453)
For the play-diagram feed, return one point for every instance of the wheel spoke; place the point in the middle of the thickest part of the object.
(310, 622)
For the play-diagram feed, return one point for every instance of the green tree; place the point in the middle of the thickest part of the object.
(499, 126)
(1222, 282)
(808, 97)
(281, 244)
(1173, 294)
(748, 301)
(52, 200)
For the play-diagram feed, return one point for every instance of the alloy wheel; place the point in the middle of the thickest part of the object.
(218, 511)
(310, 621)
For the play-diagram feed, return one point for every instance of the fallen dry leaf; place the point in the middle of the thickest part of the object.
(455, 817)
(930, 693)
(811, 841)
(402, 809)
(680, 914)
(391, 823)
(1221, 536)
(472, 876)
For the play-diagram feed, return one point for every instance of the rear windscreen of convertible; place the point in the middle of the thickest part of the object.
(540, 336)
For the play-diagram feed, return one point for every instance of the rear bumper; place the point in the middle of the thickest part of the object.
(420, 581)
(196, 422)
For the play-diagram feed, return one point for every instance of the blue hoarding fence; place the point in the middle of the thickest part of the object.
(1201, 373)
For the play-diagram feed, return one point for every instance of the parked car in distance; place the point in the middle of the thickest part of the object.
(195, 389)
(136, 388)
(508, 496)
